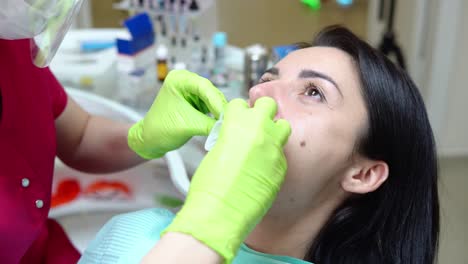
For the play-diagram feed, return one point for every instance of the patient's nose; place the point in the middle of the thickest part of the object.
(269, 89)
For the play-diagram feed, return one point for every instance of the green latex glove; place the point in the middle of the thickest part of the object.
(238, 180)
(177, 114)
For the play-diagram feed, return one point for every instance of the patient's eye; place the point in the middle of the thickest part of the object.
(264, 79)
(312, 90)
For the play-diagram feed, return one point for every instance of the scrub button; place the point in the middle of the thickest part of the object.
(25, 182)
(39, 204)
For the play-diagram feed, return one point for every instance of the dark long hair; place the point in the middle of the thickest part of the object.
(399, 222)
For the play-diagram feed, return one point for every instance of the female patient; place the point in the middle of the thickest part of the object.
(360, 184)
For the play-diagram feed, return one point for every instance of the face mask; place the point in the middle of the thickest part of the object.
(45, 22)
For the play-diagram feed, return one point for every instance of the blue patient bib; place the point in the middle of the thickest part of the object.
(127, 238)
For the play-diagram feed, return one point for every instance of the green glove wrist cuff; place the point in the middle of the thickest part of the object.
(213, 223)
(135, 142)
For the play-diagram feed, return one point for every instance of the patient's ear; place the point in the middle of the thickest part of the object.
(365, 176)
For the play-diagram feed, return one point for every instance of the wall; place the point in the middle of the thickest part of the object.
(454, 171)
(105, 16)
(454, 211)
(275, 22)
(456, 136)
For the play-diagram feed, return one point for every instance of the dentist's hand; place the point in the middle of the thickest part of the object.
(177, 114)
(238, 179)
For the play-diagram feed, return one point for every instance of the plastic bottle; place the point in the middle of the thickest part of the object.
(162, 68)
(219, 77)
(195, 53)
(203, 68)
(219, 46)
(183, 48)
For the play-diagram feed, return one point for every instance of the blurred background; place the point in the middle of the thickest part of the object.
(241, 37)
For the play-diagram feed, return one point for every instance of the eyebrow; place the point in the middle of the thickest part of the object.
(316, 74)
(309, 74)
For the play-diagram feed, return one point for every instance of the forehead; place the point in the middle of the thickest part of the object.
(325, 59)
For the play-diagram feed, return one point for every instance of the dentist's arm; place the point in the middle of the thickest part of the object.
(92, 143)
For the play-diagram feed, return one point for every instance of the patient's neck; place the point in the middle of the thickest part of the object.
(292, 233)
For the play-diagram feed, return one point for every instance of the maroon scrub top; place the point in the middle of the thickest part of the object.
(31, 100)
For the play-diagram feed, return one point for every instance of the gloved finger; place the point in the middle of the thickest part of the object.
(200, 92)
(176, 76)
(202, 125)
(234, 106)
(211, 96)
(267, 106)
(283, 130)
(197, 103)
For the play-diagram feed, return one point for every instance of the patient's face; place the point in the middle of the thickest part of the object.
(318, 91)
